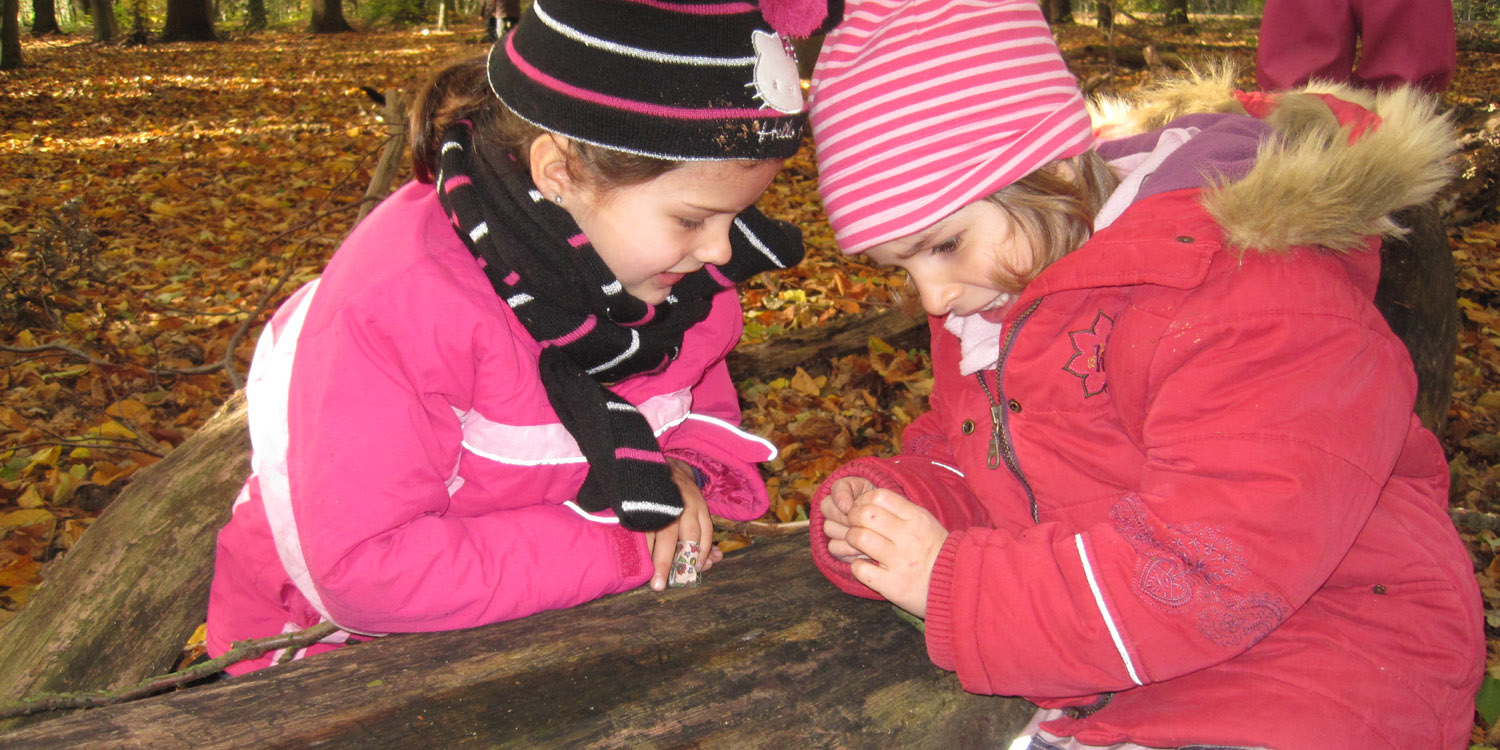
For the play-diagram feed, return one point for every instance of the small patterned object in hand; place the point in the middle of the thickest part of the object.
(685, 565)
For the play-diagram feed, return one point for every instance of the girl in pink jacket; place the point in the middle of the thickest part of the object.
(1171, 488)
(507, 392)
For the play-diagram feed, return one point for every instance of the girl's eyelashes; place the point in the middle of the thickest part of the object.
(690, 223)
(946, 246)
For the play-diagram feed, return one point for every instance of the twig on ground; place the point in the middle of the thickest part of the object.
(1474, 520)
(760, 528)
(240, 651)
(60, 349)
(119, 444)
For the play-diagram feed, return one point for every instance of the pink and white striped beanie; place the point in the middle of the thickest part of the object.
(921, 107)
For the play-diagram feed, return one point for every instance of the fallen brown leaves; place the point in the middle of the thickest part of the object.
(157, 202)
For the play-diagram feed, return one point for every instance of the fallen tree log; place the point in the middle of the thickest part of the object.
(764, 653)
(813, 348)
(118, 607)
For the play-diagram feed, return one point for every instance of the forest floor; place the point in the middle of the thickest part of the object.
(158, 201)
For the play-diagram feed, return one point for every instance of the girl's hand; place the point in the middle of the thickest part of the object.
(694, 524)
(902, 540)
(836, 507)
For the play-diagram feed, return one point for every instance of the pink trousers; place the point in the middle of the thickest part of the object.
(1375, 44)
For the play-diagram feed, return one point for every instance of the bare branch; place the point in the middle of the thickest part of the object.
(239, 652)
(760, 528)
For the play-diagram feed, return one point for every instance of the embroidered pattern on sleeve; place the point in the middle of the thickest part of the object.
(1195, 568)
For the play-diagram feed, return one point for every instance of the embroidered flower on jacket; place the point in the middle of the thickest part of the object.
(1194, 568)
(1087, 362)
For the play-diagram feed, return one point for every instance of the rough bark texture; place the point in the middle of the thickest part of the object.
(119, 606)
(394, 118)
(813, 348)
(764, 654)
(1418, 295)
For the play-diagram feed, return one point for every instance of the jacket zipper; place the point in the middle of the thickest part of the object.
(1001, 444)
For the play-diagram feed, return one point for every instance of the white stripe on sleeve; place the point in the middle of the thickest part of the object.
(1109, 621)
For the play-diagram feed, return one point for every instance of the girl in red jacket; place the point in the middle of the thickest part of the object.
(1171, 488)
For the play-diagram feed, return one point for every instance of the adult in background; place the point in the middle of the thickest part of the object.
(1373, 44)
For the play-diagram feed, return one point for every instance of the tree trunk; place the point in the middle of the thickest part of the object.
(1177, 12)
(118, 607)
(1104, 14)
(1058, 11)
(1418, 295)
(44, 17)
(189, 21)
(105, 28)
(764, 653)
(255, 15)
(394, 119)
(10, 34)
(328, 17)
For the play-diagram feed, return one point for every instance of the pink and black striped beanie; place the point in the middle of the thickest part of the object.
(921, 107)
(682, 80)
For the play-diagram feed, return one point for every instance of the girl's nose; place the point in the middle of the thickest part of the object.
(937, 299)
(714, 250)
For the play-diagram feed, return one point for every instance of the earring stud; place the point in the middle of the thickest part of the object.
(557, 199)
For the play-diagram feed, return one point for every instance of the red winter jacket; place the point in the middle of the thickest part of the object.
(1214, 518)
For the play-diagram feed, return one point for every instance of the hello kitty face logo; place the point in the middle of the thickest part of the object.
(776, 81)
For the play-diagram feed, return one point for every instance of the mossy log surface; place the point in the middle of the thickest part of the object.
(764, 654)
(118, 607)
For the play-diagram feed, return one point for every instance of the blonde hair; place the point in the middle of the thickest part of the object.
(1054, 209)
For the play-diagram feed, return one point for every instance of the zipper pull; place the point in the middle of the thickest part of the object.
(995, 436)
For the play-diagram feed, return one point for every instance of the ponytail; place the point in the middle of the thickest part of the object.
(462, 92)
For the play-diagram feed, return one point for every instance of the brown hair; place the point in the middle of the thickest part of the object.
(1054, 209)
(462, 91)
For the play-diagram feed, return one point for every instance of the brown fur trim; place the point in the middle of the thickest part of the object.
(1310, 186)
(1197, 91)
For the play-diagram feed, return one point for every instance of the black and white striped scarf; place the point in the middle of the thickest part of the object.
(593, 333)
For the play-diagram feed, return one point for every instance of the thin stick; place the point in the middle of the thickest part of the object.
(1473, 520)
(240, 651)
(760, 528)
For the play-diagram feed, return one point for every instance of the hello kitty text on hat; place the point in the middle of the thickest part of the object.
(921, 107)
(674, 79)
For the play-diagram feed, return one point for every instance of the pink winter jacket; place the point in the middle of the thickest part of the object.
(1213, 518)
(408, 471)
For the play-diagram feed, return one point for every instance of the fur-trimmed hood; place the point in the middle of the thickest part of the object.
(1312, 185)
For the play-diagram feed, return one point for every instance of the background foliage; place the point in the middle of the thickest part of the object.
(158, 201)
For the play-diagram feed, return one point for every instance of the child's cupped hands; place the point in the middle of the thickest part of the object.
(901, 541)
(695, 524)
(835, 507)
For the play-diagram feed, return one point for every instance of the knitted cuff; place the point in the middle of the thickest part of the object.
(939, 631)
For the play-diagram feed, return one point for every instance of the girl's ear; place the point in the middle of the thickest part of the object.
(549, 166)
